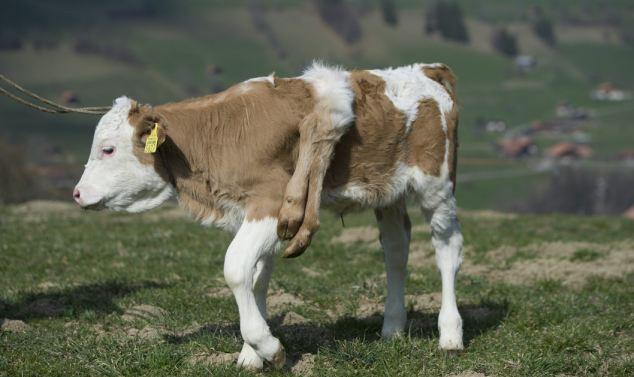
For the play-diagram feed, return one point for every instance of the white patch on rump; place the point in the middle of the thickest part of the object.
(407, 86)
(119, 181)
(333, 92)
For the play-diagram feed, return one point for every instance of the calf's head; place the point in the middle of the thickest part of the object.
(118, 175)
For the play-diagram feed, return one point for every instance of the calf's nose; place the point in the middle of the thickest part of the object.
(77, 195)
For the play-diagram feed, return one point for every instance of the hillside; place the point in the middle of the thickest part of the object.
(170, 51)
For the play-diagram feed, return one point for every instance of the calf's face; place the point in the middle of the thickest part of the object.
(114, 177)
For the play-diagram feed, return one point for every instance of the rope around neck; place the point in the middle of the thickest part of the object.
(52, 107)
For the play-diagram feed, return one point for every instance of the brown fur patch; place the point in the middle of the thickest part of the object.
(427, 138)
(444, 76)
(236, 147)
(452, 134)
(368, 153)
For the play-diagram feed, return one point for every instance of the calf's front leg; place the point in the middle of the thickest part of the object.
(247, 269)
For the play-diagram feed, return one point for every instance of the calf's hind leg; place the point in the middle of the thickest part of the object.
(299, 215)
(250, 251)
(447, 241)
(395, 229)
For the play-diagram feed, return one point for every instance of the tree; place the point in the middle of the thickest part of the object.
(341, 19)
(446, 18)
(504, 42)
(390, 15)
(542, 26)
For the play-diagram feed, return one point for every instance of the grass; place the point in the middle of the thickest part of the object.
(71, 276)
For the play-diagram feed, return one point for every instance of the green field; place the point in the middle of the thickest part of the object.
(540, 296)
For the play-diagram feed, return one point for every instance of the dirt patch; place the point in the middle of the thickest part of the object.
(487, 214)
(369, 307)
(421, 254)
(170, 212)
(14, 326)
(148, 333)
(45, 207)
(213, 358)
(304, 365)
(358, 234)
(337, 311)
(291, 318)
(310, 272)
(468, 373)
(219, 292)
(279, 300)
(422, 228)
(143, 312)
(555, 261)
(423, 303)
(47, 285)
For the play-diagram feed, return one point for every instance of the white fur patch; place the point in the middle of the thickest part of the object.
(333, 92)
(270, 79)
(121, 181)
(407, 86)
(233, 216)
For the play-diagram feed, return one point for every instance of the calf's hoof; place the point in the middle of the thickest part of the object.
(448, 344)
(249, 359)
(450, 327)
(297, 245)
(279, 359)
(289, 219)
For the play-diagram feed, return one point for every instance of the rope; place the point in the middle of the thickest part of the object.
(54, 108)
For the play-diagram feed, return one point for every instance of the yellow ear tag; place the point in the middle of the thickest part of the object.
(151, 143)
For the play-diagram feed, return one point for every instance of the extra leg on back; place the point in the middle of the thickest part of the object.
(395, 229)
(298, 219)
(447, 241)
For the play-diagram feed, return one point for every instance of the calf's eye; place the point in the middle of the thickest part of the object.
(107, 151)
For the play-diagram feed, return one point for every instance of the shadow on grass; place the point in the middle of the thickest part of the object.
(309, 337)
(70, 302)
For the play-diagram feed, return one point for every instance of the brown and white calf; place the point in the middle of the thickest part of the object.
(234, 159)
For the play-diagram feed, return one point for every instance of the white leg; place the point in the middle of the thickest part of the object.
(254, 243)
(447, 241)
(248, 358)
(395, 229)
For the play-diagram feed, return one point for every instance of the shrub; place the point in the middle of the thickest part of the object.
(504, 42)
(445, 17)
(339, 16)
(390, 16)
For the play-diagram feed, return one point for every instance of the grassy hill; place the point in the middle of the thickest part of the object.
(167, 47)
(116, 294)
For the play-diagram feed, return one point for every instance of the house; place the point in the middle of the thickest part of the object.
(517, 147)
(525, 63)
(566, 110)
(608, 92)
(492, 126)
(566, 150)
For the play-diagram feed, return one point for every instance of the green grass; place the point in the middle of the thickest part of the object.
(70, 276)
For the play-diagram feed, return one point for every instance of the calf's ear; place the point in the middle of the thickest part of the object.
(147, 124)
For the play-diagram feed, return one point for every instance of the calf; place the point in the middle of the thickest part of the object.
(380, 136)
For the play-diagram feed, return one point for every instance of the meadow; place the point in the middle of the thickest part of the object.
(128, 295)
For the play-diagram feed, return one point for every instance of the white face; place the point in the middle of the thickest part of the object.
(114, 178)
